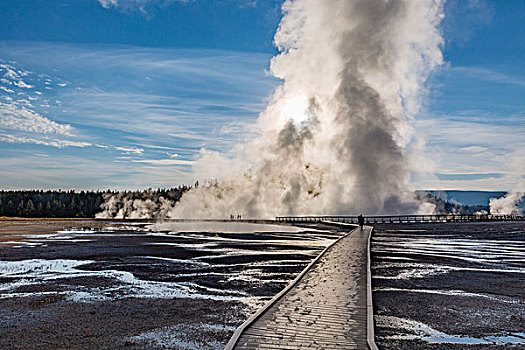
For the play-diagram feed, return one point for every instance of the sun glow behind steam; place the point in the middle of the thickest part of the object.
(295, 109)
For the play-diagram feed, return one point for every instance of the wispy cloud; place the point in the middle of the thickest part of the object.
(490, 75)
(108, 3)
(15, 117)
(464, 17)
(52, 142)
(137, 5)
(474, 149)
(144, 6)
(21, 84)
(159, 147)
(146, 126)
(474, 152)
(22, 112)
(165, 161)
(3, 88)
(469, 176)
(130, 150)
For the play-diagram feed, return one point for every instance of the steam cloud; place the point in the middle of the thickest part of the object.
(511, 203)
(335, 136)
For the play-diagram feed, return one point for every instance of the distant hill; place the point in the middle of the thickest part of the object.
(470, 198)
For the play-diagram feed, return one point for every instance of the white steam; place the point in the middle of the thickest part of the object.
(511, 203)
(334, 138)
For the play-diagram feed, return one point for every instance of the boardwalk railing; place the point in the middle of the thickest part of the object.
(402, 219)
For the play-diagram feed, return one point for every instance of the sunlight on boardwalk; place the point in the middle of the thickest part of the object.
(326, 309)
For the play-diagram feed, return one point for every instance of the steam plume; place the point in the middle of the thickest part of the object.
(511, 203)
(334, 137)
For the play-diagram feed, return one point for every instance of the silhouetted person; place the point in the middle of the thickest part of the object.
(361, 221)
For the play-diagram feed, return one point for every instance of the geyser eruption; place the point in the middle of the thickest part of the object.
(335, 135)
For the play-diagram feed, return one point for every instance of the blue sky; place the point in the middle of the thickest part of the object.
(125, 93)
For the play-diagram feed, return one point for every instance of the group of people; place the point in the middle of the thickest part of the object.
(360, 219)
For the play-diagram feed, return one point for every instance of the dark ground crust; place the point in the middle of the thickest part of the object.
(455, 315)
(51, 323)
(54, 322)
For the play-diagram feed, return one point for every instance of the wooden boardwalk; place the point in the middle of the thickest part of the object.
(403, 219)
(324, 308)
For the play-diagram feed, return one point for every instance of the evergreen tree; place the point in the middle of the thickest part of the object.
(30, 208)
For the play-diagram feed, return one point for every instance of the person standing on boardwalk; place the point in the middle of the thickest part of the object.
(361, 221)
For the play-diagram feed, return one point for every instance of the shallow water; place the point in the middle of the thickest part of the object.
(417, 330)
(34, 271)
(222, 227)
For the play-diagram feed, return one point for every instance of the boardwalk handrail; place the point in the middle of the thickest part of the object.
(398, 219)
(370, 324)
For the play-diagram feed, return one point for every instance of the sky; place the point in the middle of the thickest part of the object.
(126, 94)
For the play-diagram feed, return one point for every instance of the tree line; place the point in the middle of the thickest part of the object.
(85, 204)
(70, 204)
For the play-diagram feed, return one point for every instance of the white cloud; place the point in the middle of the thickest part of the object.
(52, 142)
(158, 147)
(193, 93)
(165, 161)
(6, 89)
(15, 117)
(488, 75)
(9, 71)
(474, 149)
(130, 150)
(140, 5)
(108, 3)
(21, 84)
(486, 144)
(448, 172)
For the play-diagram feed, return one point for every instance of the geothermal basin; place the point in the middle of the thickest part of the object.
(92, 284)
(449, 286)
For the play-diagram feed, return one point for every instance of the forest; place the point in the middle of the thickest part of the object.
(85, 204)
(70, 204)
